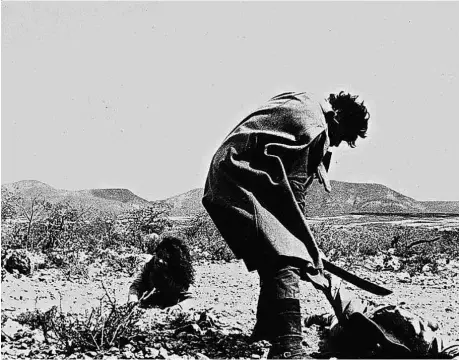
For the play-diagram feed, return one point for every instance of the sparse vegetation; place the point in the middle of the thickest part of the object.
(205, 240)
(415, 247)
(65, 231)
(100, 328)
(71, 239)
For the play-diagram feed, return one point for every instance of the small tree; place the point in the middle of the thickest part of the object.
(148, 220)
(105, 227)
(205, 238)
(27, 210)
(65, 225)
(9, 200)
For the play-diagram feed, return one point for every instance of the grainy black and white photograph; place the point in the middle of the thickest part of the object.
(229, 180)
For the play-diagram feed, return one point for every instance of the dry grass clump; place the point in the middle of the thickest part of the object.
(98, 329)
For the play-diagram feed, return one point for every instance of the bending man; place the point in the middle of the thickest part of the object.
(255, 194)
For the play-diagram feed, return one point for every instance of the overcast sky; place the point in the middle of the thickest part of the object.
(140, 95)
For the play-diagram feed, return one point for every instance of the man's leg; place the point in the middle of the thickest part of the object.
(281, 286)
(263, 326)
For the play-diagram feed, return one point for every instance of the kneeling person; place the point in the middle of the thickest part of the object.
(166, 279)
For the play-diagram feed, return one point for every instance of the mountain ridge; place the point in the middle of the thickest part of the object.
(111, 200)
(345, 198)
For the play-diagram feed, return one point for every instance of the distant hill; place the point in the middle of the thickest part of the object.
(442, 206)
(186, 204)
(113, 200)
(345, 198)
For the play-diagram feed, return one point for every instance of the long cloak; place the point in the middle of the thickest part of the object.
(258, 176)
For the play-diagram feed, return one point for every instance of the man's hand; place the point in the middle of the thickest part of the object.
(174, 310)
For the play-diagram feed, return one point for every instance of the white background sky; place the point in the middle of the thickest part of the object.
(139, 95)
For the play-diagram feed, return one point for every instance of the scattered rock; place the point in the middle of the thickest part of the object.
(174, 357)
(52, 350)
(426, 268)
(376, 261)
(34, 350)
(190, 329)
(109, 357)
(128, 347)
(404, 277)
(23, 346)
(151, 352)
(7, 350)
(393, 263)
(38, 336)
(19, 260)
(127, 355)
(10, 329)
(200, 356)
(163, 353)
(114, 349)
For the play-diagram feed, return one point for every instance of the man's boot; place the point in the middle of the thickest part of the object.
(288, 338)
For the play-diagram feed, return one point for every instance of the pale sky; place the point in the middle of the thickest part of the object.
(140, 95)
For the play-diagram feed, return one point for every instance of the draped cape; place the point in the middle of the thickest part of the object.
(258, 177)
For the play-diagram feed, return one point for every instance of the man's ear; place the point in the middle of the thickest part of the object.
(329, 116)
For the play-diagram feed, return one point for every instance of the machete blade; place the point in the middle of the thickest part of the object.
(355, 280)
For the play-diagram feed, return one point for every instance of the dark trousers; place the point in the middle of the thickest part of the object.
(279, 287)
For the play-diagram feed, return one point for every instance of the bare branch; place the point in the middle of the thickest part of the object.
(423, 242)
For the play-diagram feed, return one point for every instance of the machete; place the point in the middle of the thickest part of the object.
(355, 280)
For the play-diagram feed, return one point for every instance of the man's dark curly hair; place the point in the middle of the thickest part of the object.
(175, 272)
(352, 116)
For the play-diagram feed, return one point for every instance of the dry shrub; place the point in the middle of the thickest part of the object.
(205, 240)
(345, 242)
(128, 264)
(38, 319)
(426, 248)
(415, 247)
(98, 329)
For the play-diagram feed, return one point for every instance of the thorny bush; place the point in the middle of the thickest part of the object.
(98, 329)
(129, 264)
(205, 240)
(415, 247)
(65, 230)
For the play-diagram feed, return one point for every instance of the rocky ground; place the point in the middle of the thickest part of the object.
(222, 319)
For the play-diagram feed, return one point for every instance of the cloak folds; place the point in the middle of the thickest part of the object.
(258, 176)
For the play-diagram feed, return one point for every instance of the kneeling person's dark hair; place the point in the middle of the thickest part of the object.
(173, 265)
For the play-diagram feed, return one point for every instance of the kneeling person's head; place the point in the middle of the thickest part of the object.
(172, 269)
